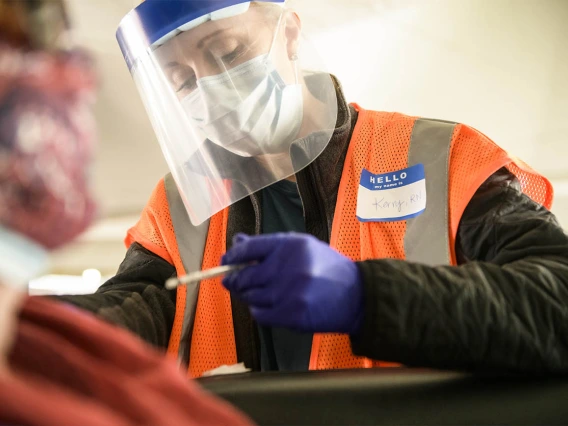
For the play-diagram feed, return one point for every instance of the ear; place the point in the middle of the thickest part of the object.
(293, 29)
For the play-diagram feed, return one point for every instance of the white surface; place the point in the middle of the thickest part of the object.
(227, 369)
(391, 203)
(63, 284)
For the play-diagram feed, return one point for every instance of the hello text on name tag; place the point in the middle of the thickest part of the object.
(392, 196)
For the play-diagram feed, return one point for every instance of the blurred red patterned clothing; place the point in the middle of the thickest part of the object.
(46, 143)
(68, 368)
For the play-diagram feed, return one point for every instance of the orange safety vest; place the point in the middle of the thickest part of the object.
(457, 160)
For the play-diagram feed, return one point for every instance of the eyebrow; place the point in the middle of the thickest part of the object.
(204, 39)
(173, 64)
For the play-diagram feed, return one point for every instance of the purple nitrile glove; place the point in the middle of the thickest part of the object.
(299, 283)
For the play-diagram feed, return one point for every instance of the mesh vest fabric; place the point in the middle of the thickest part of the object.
(380, 144)
(155, 232)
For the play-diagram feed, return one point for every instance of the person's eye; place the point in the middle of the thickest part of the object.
(189, 84)
(182, 78)
(232, 56)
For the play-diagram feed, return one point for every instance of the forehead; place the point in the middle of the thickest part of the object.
(210, 32)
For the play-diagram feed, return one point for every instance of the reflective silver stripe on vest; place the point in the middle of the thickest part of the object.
(191, 245)
(427, 238)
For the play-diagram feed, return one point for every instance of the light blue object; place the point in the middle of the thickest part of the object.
(299, 283)
(21, 259)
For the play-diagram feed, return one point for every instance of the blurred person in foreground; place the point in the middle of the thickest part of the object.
(58, 365)
(385, 238)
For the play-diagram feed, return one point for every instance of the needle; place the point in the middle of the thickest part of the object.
(203, 275)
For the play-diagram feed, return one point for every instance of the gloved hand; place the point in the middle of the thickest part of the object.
(299, 283)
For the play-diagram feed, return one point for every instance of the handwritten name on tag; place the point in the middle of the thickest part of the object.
(392, 196)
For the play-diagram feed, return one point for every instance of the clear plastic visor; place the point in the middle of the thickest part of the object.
(237, 104)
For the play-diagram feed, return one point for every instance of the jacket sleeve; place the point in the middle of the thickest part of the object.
(504, 308)
(136, 298)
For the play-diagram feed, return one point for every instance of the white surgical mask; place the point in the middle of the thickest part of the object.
(248, 110)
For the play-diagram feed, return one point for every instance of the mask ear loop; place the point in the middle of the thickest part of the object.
(275, 36)
(294, 58)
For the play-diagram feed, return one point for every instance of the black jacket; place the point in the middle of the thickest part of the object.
(505, 307)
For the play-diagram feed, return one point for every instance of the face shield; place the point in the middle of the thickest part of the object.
(235, 94)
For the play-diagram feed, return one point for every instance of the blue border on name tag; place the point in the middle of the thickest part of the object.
(393, 219)
(392, 180)
(389, 181)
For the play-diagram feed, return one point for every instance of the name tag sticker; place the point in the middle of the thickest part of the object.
(392, 196)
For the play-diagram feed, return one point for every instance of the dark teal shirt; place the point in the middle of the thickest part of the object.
(282, 349)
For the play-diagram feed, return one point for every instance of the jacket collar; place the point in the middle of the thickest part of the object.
(319, 182)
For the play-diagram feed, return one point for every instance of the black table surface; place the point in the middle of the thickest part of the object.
(395, 396)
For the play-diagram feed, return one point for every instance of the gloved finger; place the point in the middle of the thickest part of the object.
(265, 316)
(251, 277)
(237, 239)
(272, 316)
(250, 249)
(257, 297)
(240, 237)
(229, 281)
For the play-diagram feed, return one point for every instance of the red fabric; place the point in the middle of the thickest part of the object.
(69, 368)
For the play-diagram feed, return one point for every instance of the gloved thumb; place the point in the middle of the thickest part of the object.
(250, 249)
(237, 239)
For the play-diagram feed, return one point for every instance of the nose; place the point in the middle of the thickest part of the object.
(206, 66)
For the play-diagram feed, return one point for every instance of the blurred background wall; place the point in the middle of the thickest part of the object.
(498, 65)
